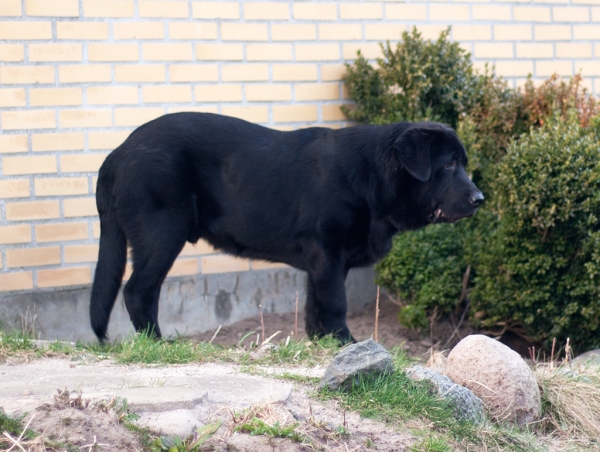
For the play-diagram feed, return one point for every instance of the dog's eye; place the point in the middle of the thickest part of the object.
(449, 165)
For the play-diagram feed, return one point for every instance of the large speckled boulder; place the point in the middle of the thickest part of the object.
(498, 376)
(364, 358)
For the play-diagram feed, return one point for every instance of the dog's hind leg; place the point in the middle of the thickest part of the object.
(313, 328)
(154, 251)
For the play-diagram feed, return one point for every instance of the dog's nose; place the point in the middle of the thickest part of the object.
(476, 198)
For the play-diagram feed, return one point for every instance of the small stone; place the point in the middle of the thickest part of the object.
(498, 376)
(589, 358)
(362, 359)
(466, 405)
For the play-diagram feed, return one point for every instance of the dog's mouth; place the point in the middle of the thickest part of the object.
(438, 216)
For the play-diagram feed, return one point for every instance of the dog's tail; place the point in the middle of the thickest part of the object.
(111, 258)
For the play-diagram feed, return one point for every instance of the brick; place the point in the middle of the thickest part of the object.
(490, 12)
(547, 68)
(269, 52)
(331, 112)
(295, 113)
(472, 32)
(61, 232)
(19, 233)
(383, 32)
(368, 50)
(340, 32)
(79, 207)
(10, 8)
(26, 75)
(112, 95)
(42, 164)
(552, 32)
(25, 30)
(331, 72)
(140, 73)
(588, 68)
(87, 31)
(293, 32)
(573, 50)
(268, 92)
(61, 186)
(55, 52)
(266, 11)
(514, 68)
(360, 11)
(583, 32)
(596, 13)
(81, 253)
(216, 10)
(113, 52)
(96, 229)
(138, 30)
(108, 8)
(218, 93)
(255, 113)
(224, 264)
(28, 119)
(60, 277)
(449, 13)
(167, 52)
(220, 52)
(199, 248)
(166, 94)
(265, 265)
(512, 32)
(244, 32)
(429, 31)
(14, 188)
(136, 116)
(66, 141)
(245, 73)
(531, 14)
(405, 12)
(294, 72)
(84, 118)
(12, 53)
(570, 14)
(317, 91)
(315, 11)
(32, 257)
(12, 144)
(16, 281)
(494, 50)
(106, 140)
(81, 163)
(43, 97)
(526, 50)
(54, 8)
(85, 73)
(193, 31)
(317, 52)
(182, 267)
(194, 73)
(32, 210)
(163, 9)
(12, 97)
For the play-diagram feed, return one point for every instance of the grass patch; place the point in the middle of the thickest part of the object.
(394, 398)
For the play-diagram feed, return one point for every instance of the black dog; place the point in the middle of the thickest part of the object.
(320, 200)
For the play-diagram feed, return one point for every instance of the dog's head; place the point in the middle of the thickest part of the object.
(435, 158)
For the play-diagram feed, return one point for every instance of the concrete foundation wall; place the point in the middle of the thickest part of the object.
(188, 305)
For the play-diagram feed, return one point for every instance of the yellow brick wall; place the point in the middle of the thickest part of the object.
(76, 76)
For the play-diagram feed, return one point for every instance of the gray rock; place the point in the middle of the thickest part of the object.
(466, 405)
(362, 359)
(498, 376)
(590, 358)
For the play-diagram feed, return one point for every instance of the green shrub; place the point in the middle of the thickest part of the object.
(541, 269)
(418, 80)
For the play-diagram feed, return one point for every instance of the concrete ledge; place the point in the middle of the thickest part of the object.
(188, 305)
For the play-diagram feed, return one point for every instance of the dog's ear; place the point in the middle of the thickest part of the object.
(413, 151)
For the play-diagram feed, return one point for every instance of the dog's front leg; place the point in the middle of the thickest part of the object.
(326, 304)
